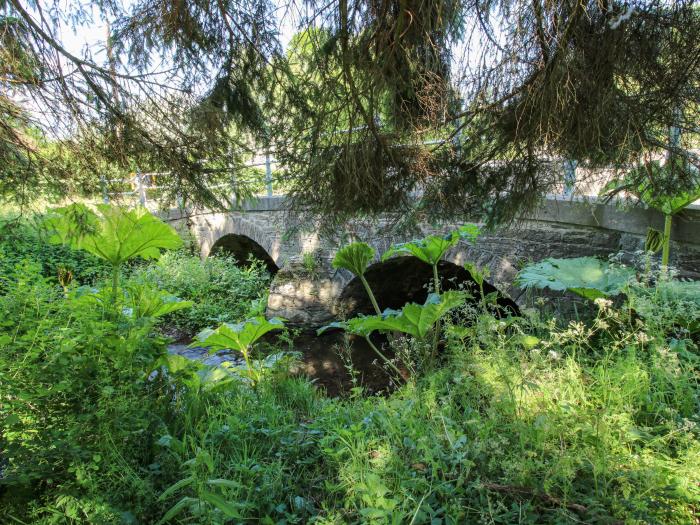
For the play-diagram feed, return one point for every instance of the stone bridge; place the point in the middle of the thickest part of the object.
(308, 292)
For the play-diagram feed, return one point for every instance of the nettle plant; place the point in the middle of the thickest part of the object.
(668, 303)
(415, 320)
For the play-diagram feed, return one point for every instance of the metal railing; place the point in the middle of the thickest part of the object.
(140, 189)
(141, 183)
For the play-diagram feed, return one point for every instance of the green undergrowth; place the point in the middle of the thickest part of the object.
(23, 242)
(531, 419)
(524, 421)
(220, 290)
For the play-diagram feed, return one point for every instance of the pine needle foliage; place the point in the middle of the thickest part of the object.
(597, 82)
(420, 109)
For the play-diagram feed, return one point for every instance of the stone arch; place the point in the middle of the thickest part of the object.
(239, 236)
(401, 280)
(241, 248)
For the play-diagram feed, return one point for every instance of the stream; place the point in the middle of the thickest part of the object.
(321, 361)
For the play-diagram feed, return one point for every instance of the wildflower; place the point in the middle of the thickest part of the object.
(554, 355)
(643, 337)
(529, 312)
(603, 303)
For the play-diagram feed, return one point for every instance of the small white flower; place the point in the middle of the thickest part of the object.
(643, 338)
(553, 355)
(603, 303)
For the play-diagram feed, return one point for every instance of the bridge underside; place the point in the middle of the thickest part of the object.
(408, 280)
(244, 250)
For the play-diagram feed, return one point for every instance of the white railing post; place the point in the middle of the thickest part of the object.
(569, 176)
(268, 174)
(232, 177)
(232, 182)
(457, 139)
(140, 188)
(103, 185)
(179, 201)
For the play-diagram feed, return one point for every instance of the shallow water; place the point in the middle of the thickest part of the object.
(321, 360)
(204, 356)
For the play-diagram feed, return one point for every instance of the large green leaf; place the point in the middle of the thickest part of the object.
(176, 509)
(229, 510)
(413, 319)
(354, 257)
(418, 319)
(215, 379)
(239, 336)
(114, 234)
(176, 487)
(432, 248)
(71, 224)
(588, 277)
(362, 325)
(147, 301)
(176, 363)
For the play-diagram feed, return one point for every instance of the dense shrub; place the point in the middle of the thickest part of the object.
(23, 242)
(521, 420)
(220, 290)
(77, 411)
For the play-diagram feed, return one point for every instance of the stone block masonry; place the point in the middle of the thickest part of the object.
(309, 297)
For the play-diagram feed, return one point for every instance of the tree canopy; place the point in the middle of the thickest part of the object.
(419, 108)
